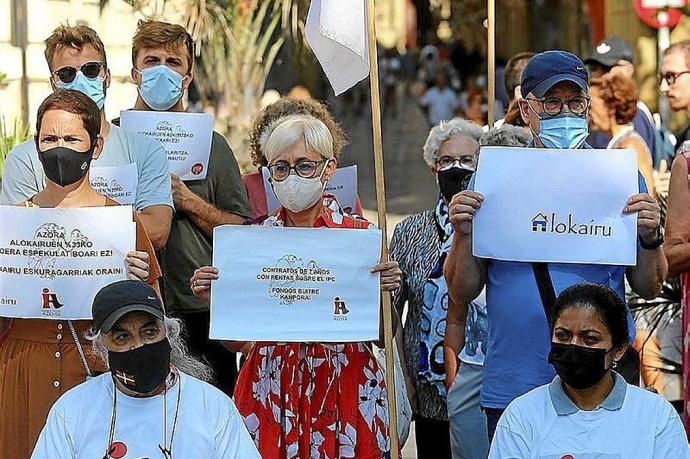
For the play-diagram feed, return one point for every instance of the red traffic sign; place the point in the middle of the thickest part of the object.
(660, 13)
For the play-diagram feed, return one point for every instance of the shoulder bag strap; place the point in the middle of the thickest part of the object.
(545, 286)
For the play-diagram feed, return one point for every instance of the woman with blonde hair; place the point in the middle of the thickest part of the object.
(304, 400)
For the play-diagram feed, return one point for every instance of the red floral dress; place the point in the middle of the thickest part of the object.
(315, 400)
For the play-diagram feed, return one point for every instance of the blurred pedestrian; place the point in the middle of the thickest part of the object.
(674, 77)
(440, 101)
(420, 245)
(613, 107)
(513, 74)
(588, 410)
(614, 56)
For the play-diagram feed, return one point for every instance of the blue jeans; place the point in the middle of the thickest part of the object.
(468, 435)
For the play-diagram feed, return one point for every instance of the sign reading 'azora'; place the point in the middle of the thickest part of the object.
(561, 206)
(54, 261)
(297, 284)
(186, 138)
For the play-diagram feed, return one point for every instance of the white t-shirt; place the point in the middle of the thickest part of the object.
(631, 423)
(23, 174)
(208, 425)
(441, 103)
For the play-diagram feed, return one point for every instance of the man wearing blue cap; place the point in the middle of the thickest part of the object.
(554, 107)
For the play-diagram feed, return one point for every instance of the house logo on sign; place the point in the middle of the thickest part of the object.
(539, 223)
(340, 310)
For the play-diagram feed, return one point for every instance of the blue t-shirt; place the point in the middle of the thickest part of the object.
(519, 336)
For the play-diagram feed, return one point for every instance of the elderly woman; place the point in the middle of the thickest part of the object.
(343, 411)
(253, 181)
(420, 244)
(41, 359)
(465, 344)
(588, 410)
(613, 107)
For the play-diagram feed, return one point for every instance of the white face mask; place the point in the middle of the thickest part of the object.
(296, 193)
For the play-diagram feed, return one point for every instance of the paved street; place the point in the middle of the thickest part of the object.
(410, 187)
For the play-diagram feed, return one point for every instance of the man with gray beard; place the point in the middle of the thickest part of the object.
(153, 402)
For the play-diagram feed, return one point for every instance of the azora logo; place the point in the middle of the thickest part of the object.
(51, 304)
(340, 310)
(543, 223)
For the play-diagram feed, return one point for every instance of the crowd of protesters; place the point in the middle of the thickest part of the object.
(500, 359)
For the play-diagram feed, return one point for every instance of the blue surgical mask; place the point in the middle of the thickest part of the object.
(161, 87)
(563, 131)
(92, 87)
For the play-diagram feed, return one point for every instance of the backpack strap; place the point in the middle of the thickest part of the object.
(545, 286)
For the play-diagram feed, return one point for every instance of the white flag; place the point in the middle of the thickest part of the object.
(337, 33)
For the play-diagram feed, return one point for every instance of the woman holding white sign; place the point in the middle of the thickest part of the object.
(310, 399)
(41, 359)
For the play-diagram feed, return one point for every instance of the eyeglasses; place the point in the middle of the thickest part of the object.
(554, 106)
(446, 162)
(671, 77)
(89, 70)
(304, 168)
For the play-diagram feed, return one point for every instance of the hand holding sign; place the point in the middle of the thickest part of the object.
(462, 209)
(648, 216)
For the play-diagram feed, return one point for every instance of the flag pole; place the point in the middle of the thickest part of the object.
(491, 58)
(381, 205)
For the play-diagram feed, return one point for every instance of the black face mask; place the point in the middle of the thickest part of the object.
(142, 369)
(578, 366)
(65, 166)
(453, 180)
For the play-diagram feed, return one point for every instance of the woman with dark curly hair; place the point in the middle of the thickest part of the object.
(259, 134)
(613, 107)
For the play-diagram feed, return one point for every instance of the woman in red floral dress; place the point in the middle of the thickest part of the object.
(310, 400)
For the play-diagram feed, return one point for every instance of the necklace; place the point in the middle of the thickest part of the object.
(166, 449)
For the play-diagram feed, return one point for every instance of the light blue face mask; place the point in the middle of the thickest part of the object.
(562, 131)
(92, 87)
(161, 87)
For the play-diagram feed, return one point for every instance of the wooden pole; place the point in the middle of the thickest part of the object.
(381, 205)
(491, 58)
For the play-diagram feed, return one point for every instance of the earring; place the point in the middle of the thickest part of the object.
(615, 364)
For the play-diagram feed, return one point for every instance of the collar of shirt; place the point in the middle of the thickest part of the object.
(564, 406)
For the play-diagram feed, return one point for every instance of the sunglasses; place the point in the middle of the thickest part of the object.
(89, 70)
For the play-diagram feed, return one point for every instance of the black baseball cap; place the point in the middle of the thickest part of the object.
(610, 51)
(119, 298)
(546, 69)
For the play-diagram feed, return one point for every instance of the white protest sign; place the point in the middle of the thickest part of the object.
(562, 206)
(186, 138)
(343, 185)
(119, 183)
(295, 284)
(54, 261)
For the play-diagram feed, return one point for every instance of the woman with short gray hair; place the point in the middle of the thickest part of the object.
(420, 244)
(465, 345)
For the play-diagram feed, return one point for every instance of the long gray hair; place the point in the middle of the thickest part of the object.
(179, 356)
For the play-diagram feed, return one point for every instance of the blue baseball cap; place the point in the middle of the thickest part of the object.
(547, 69)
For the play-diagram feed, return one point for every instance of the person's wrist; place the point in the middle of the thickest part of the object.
(653, 239)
